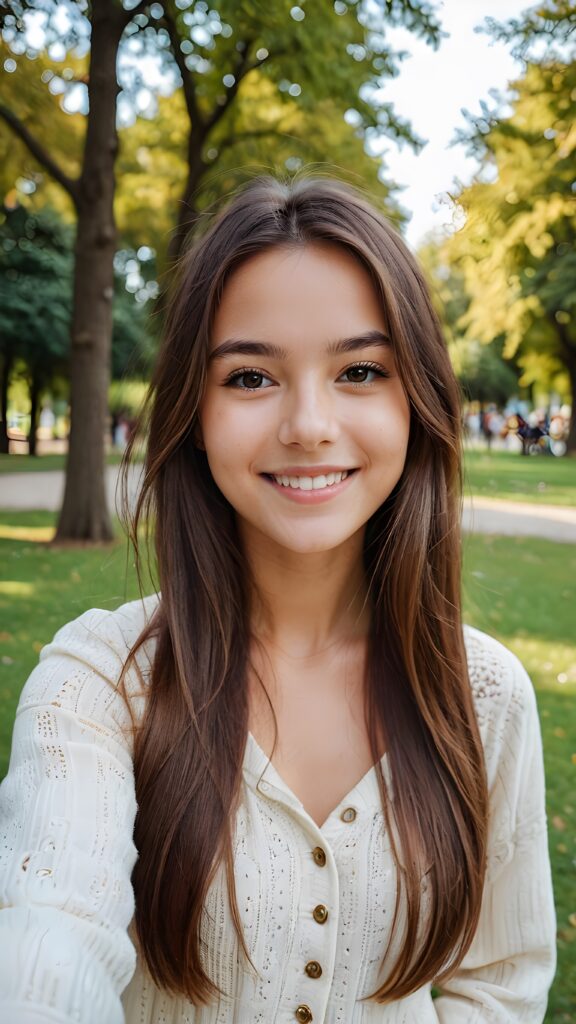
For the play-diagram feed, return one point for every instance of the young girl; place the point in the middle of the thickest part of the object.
(291, 786)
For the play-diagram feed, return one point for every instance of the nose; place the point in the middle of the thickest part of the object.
(308, 418)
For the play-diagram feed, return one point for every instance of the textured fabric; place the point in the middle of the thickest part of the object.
(67, 807)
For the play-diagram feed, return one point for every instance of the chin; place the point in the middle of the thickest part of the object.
(311, 545)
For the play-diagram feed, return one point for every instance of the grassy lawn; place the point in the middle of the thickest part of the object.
(41, 463)
(521, 590)
(542, 479)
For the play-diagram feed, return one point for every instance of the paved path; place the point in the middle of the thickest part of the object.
(44, 490)
(520, 519)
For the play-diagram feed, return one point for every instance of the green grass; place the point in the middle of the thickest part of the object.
(541, 479)
(521, 590)
(41, 463)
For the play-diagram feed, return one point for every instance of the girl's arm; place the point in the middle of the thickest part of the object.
(67, 811)
(508, 970)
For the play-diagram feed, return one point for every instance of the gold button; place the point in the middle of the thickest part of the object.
(348, 815)
(313, 969)
(320, 913)
(319, 856)
(303, 1014)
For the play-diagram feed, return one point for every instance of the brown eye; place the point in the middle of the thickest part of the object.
(363, 373)
(248, 380)
(251, 379)
(357, 374)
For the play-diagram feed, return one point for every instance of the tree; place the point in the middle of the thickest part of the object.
(36, 274)
(516, 248)
(542, 32)
(152, 167)
(84, 514)
(485, 377)
(35, 301)
(327, 59)
(34, 90)
(483, 374)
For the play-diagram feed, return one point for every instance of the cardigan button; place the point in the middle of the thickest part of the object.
(303, 1014)
(348, 815)
(320, 913)
(319, 856)
(313, 969)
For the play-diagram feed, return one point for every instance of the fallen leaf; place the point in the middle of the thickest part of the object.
(562, 848)
(5, 636)
(572, 920)
(37, 646)
(560, 732)
(559, 823)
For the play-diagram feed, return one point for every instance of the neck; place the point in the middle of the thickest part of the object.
(307, 603)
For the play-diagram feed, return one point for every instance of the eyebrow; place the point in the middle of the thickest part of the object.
(245, 347)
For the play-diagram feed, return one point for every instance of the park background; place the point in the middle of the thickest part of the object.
(123, 123)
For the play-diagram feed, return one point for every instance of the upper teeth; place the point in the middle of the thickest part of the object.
(311, 483)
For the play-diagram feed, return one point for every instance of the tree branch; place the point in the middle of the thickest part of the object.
(188, 83)
(567, 345)
(138, 9)
(70, 185)
(241, 68)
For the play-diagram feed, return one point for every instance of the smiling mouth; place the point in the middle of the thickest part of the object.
(319, 482)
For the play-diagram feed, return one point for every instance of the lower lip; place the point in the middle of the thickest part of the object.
(311, 497)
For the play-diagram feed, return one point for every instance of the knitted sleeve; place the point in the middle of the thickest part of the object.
(507, 972)
(67, 810)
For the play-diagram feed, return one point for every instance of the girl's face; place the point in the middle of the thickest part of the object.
(304, 419)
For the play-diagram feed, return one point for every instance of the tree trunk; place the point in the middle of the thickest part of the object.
(35, 388)
(84, 514)
(571, 440)
(4, 382)
(568, 356)
(187, 210)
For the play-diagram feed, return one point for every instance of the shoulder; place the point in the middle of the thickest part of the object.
(497, 676)
(109, 635)
(509, 725)
(80, 670)
(503, 695)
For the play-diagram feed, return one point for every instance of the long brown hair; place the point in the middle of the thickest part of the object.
(190, 745)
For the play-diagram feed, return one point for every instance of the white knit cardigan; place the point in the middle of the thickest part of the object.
(67, 946)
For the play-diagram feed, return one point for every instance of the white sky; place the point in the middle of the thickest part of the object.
(431, 90)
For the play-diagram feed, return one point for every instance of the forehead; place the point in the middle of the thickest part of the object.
(312, 292)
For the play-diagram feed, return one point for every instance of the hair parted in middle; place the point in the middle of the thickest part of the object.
(190, 745)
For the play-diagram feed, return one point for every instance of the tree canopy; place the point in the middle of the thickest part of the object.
(209, 93)
(516, 248)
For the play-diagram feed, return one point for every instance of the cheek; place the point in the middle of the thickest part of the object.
(386, 428)
(229, 438)
(243, 422)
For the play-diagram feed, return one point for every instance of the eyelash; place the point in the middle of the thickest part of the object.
(236, 375)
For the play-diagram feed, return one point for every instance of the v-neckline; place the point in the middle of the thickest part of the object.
(348, 797)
